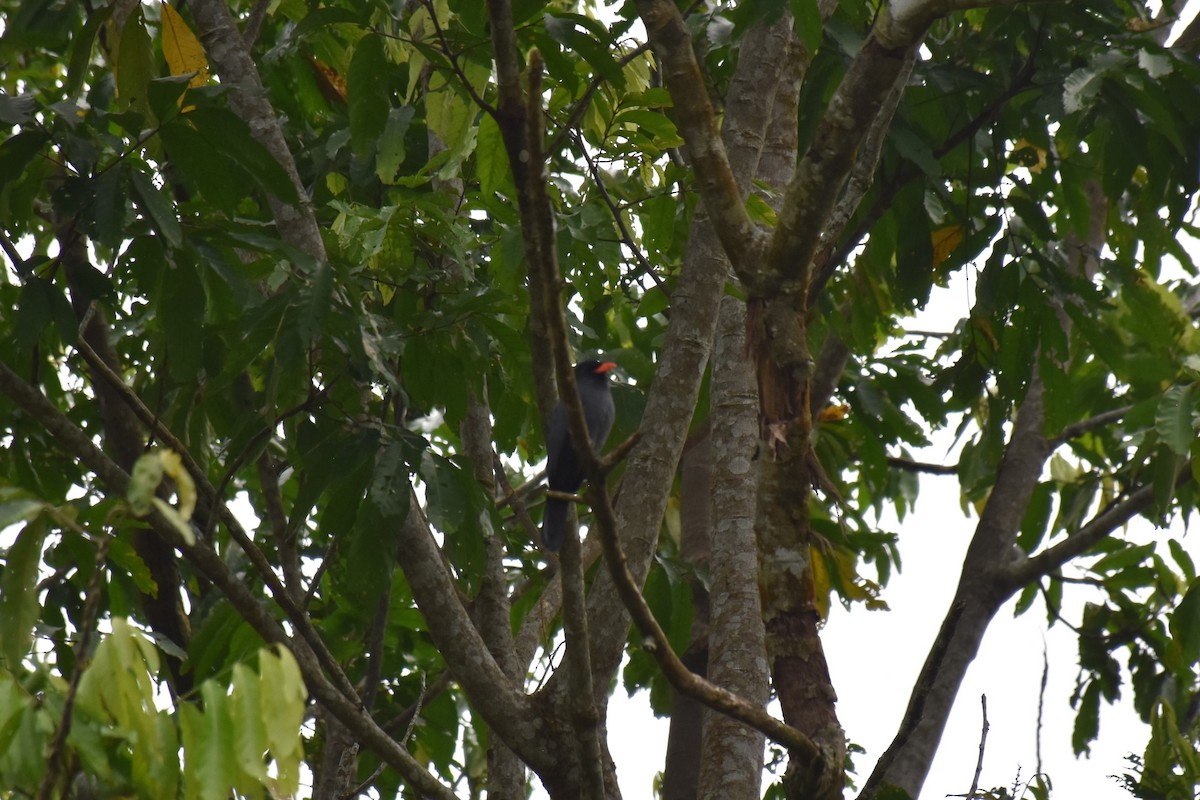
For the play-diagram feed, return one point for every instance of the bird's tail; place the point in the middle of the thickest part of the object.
(554, 524)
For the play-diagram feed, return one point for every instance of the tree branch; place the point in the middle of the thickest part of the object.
(1050, 560)
(908, 465)
(1092, 423)
(507, 709)
(287, 601)
(229, 53)
(657, 644)
(720, 188)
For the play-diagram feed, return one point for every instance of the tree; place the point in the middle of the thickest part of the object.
(295, 286)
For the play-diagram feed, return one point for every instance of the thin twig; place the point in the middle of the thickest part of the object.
(909, 465)
(1041, 705)
(626, 235)
(581, 105)
(254, 23)
(982, 745)
(452, 57)
(1090, 424)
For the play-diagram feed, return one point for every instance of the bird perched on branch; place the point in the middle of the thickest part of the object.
(564, 472)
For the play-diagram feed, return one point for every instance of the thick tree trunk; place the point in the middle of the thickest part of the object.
(732, 759)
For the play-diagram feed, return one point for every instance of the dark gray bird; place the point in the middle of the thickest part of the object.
(564, 473)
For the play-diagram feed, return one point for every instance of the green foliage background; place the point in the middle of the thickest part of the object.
(354, 374)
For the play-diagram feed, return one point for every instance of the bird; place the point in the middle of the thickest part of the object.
(564, 473)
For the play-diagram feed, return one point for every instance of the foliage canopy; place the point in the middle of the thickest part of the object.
(288, 286)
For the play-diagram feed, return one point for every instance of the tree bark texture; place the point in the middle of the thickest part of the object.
(732, 755)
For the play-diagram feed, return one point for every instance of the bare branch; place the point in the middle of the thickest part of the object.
(922, 466)
(1090, 424)
(982, 746)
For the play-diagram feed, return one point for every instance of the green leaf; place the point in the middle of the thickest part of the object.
(491, 158)
(1185, 624)
(18, 505)
(250, 731)
(313, 300)
(806, 20)
(157, 207)
(180, 311)
(1174, 420)
(166, 93)
(19, 604)
(225, 132)
(42, 303)
(594, 48)
(17, 151)
(109, 207)
(1183, 559)
(206, 169)
(81, 50)
(135, 65)
(209, 763)
(283, 704)
(18, 109)
(391, 149)
(367, 94)
(1087, 719)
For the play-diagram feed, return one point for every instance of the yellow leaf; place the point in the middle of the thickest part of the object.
(944, 242)
(185, 488)
(822, 582)
(331, 84)
(182, 49)
(833, 413)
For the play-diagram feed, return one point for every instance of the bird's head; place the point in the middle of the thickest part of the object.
(594, 367)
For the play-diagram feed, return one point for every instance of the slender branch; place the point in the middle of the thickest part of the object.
(1037, 738)
(581, 105)
(501, 702)
(862, 177)
(254, 22)
(220, 510)
(832, 254)
(715, 179)
(659, 646)
(1053, 558)
(14, 257)
(452, 57)
(585, 717)
(908, 465)
(626, 236)
(1090, 424)
(982, 746)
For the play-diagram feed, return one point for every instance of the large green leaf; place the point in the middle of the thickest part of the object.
(18, 591)
(367, 94)
(1175, 420)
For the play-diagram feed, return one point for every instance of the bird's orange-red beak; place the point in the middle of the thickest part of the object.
(607, 366)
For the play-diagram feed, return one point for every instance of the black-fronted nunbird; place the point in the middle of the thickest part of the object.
(564, 473)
